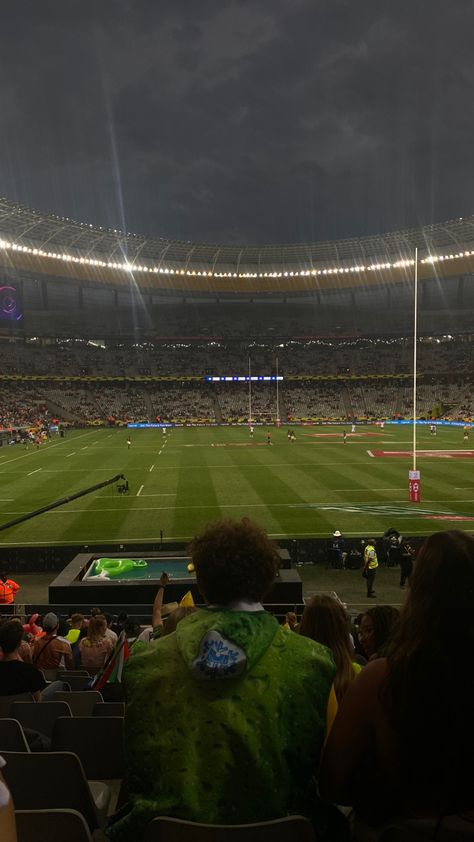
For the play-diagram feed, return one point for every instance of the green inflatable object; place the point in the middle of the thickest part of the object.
(111, 567)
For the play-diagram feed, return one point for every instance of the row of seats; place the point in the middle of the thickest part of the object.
(42, 716)
(71, 825)
(97, 742)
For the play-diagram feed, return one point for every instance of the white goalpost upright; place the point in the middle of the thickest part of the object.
(414, 479)
(277, 396)
(250, 394)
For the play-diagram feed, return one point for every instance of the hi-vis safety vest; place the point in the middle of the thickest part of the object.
(8, 590)
(370, 557)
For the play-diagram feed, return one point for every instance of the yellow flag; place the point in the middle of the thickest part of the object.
(187, 600)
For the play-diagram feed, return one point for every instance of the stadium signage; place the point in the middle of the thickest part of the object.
(424, 423)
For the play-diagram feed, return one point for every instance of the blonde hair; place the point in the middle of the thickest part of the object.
(96, 629)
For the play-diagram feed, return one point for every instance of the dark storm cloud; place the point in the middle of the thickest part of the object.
(239, 121)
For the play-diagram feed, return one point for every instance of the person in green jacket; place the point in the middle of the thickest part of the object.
(226, 717)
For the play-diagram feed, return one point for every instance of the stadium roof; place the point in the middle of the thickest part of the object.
(57, 246)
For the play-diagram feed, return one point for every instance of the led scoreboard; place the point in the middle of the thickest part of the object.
(239, 378)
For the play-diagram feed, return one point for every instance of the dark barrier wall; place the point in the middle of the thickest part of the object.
(42, 559)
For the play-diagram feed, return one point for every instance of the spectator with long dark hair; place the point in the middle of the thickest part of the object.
(403, 740)
(375, 629)
(325, 620)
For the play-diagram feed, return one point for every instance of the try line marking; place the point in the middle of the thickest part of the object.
(34, 472)
(140, 490)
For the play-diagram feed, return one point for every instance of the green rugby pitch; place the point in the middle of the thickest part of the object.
(307, 488)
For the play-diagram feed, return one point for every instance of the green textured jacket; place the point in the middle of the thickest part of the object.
(225, 722)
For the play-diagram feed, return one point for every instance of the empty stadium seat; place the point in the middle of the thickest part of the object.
(109, 709)
(97, 741)
(39, 716)
(75, 682)
(49, 780)
(7, 701)
(165, 829)
(81, 702)
(12, 737)
(36, 825)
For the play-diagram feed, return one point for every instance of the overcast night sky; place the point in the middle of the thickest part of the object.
(239, 120)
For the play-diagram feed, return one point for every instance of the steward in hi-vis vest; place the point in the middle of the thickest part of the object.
(8, 589)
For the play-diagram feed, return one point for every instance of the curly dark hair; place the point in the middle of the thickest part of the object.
(234, 560)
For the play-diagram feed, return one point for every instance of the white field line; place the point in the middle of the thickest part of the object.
(161, 494)
(71, 454)
(33, 452)
(34, 472)
(138, 495)
(402, 501)
(6, 499)
(151, 469)
(315, 465)
(371, 454)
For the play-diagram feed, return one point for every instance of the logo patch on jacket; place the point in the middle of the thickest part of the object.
(218, 657)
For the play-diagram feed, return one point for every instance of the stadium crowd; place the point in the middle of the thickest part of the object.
(233, 718)
(348, 390)
(439, 356)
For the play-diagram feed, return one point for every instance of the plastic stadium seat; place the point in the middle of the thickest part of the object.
(97, 741)
(81, 702)
(7, 701)
(50, 675)
(451, 829)
(12, 737)
(63, 674)
(165, 829)
(55, 780)
(109, 709)
(35, 825)
(76, 682)
(39, 716)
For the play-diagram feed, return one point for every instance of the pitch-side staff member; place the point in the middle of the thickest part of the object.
(8, 589)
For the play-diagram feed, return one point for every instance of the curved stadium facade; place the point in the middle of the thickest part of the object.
(47, 246)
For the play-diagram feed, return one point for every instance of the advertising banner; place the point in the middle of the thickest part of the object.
(414, 486)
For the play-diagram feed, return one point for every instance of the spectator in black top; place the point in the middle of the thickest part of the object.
(15, 675)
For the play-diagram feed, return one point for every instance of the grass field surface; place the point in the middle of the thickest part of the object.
(306, 488)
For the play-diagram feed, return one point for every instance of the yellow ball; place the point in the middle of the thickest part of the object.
(191, 567)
